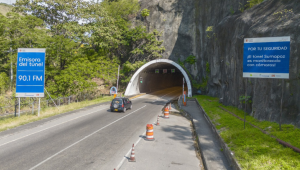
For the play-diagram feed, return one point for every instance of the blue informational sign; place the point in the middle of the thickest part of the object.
(113, 90)
(266, 57)
(30, 72)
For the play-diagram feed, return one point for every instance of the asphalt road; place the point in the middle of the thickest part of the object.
(91, 138)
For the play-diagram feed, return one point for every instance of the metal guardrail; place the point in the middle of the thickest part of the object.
(31, 106)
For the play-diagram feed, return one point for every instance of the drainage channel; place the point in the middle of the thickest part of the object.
(194, 134)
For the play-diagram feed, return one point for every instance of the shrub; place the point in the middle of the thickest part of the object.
(251, 3)
(4, 83)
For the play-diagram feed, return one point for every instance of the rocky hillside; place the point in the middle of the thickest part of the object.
(214, 30)
(4, 8)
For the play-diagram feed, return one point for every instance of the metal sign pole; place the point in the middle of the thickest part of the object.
(245, 105)
(11, 70)
(19, 106)
(118, 79)
(282, 84)
(39, 107)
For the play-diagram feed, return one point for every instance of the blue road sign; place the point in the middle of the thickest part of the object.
(113, 90)
(267, 57)
(30, 72)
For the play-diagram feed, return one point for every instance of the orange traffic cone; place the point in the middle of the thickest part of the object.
(132, 157)
(149, 132)
(157, 124)
(166, 113)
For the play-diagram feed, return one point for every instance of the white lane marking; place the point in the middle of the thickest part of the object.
(50, 127)
(83, 139)
(135, 144)
(125, 157)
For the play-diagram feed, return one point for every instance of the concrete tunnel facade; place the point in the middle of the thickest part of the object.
(152, 81)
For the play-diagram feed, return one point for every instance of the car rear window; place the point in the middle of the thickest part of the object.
(117, 101)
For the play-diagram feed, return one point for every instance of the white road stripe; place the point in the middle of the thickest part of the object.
(125, 157)
(50, 127)
(135, 144)
(83, 139)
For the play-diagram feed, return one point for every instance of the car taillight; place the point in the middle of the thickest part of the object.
(122, 105)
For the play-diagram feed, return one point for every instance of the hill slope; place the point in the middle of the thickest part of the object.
(4, 8)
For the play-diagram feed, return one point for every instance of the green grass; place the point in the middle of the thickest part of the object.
(9, 122)
(252, 148)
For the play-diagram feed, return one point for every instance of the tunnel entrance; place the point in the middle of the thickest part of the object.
(156, 75)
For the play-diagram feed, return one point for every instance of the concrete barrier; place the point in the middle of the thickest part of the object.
(228, 153)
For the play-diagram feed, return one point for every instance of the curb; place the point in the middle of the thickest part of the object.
(227, 152)
(198, 142)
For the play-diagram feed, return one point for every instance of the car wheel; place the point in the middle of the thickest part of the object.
(124, 109)
(130, 107)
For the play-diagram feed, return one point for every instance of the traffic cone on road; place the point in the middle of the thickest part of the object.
(157, 124)
(166, 113)
(149, 132)
(132, 156)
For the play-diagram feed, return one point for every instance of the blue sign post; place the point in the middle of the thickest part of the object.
(30, 72)
(266, 57)
(113, 90)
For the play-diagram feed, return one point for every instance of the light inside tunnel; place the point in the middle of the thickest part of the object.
(157, 75)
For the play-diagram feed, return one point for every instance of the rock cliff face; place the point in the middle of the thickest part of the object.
(184, 25)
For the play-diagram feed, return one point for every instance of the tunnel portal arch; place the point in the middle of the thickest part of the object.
(133, 88)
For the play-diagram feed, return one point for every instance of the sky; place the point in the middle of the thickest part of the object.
(7, 1)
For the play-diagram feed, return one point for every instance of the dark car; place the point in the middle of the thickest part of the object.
(120, 104)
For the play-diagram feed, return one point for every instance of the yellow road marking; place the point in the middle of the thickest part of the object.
(137, 96)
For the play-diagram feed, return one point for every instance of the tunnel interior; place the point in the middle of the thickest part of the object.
(159, 76)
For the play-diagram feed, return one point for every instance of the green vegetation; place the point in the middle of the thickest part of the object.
(209, 29)
(84, 41)
(252, 148)
(284, 14)
(251, 3)
(244, 99)
(192, 60)
(241, 7)
(231, 11)
(145, 12)
(209, 32)
(4, 81)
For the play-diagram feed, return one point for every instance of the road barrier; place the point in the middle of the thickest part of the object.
(29, 105)
(132, 156)
(184, 98)
(149, 132)
(166, 113)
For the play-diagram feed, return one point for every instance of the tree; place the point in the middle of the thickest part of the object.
(17, 31)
